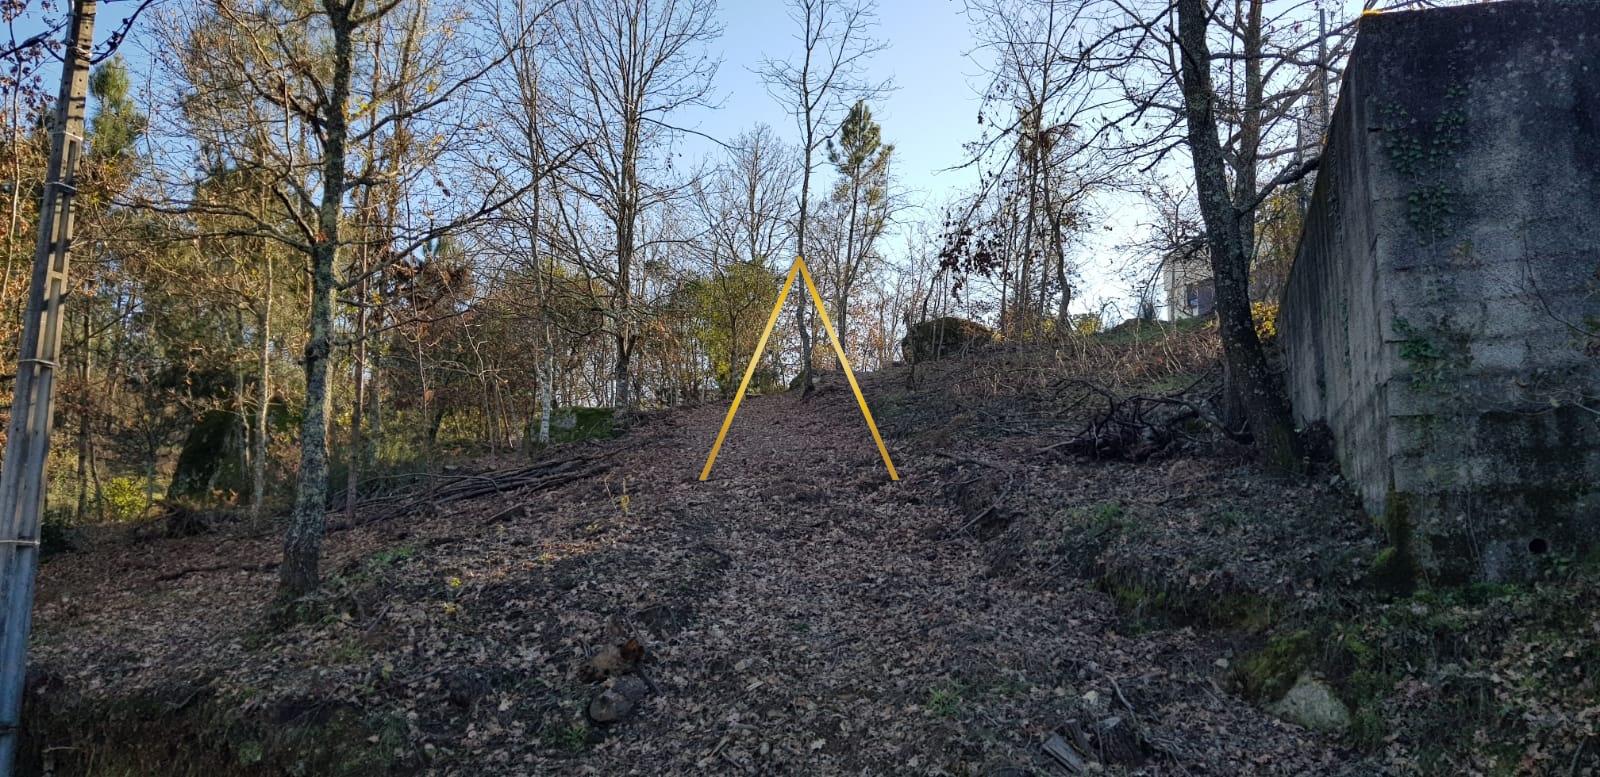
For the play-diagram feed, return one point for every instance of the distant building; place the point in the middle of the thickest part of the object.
(1186, 276)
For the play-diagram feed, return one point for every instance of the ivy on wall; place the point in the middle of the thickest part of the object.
(1418, 151)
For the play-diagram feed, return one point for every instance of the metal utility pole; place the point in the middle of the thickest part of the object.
(22, 478)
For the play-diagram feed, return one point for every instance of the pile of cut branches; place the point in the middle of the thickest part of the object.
(1138, 427)
(445, 488)
(534, 476)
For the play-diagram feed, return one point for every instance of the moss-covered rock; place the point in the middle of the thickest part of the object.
(1392, 571)
(1271, 673)
(572, 424)
(945, 336)
(1312, 703)
(212, 459)
(1396, 569)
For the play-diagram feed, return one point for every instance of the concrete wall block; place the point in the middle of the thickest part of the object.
(1410, 397)
(1434, 337)
(1558, 236)
(1437, 436)
(1423, 285)
(1483, 244)
(1501, 354)
(1529, 316)
(1399, 246)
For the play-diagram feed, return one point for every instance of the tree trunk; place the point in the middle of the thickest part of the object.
(1058, 244)
(1250, 119)
(1267, 408)
(240, 395)
(302, 545)
(258, 460)
(435, 423)
(94, 475)
(86, 371)
(627, 220)
(851, 246)
(356, 457)
(425, 398)
(375, 394)
(801, 319)
(1030, 140)
(491, 420)
(547, 393)
(544, 271)
(547, 383)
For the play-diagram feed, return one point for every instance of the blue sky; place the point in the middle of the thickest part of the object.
(928, 117)
(931, 112)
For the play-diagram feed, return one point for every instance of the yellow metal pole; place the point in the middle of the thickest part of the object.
(838, 348)
(777, 307)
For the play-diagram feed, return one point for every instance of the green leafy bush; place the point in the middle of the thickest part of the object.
(124, 499)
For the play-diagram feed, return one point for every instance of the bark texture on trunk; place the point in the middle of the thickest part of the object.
(357, 455)
(302, 545)
(626, 223)
(802, 319)
(86, 371)
(258, 458)
(1258, 387)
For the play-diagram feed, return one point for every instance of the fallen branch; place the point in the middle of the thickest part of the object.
(1136, 427)
(536, 477)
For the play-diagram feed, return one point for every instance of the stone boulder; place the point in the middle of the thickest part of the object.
(212, 458)
(1311, 703)
(945, 336)
(573, 424)
(618, 701)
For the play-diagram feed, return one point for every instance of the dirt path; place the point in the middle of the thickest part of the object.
(850, 632)
(801, 615)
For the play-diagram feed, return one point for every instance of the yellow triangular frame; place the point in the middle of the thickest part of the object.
(799, 266)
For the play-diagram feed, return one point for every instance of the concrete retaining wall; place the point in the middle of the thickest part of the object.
(1443, 312)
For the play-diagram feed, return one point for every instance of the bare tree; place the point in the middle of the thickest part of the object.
(828, 76)
(744, 206)
(1037, 164)
(523, 136)
(1227, 84)
(751, 194)
(1229, 219)
(624, 67)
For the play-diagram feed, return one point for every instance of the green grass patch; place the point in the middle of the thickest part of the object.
(570, 737)
(945, 700)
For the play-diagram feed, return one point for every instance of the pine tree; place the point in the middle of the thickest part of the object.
(863, 164)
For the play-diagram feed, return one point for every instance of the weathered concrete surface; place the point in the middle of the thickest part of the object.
(1443, 312)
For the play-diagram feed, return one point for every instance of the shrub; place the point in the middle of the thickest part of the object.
(56, 533)
(124, 498)
(1265, 315)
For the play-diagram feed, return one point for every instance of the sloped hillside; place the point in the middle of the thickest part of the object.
(1065, 581)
